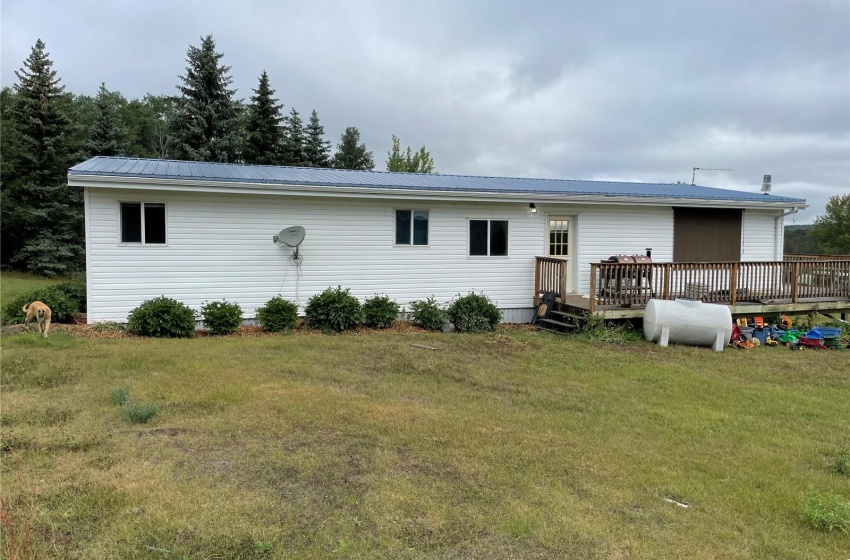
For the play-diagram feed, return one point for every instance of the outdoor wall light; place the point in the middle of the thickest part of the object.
(533, 208)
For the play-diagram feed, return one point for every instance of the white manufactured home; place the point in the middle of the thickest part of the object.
(200, 232)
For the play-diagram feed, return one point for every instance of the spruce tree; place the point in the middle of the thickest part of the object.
(264, 139)
(294, 141)
(350, 153)
(318, 150)
(42, 225)
(107, 134)
(206, 126)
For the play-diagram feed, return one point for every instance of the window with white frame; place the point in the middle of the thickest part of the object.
(411, 227)
(488, 238)
(143, 222)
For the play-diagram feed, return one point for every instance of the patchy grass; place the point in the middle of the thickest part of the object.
(524, 445)
(14, 284)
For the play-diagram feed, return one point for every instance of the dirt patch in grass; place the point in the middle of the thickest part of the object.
(171, 432)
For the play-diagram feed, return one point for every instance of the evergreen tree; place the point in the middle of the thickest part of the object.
(350, 153)
(409, 162)
(318, 150)
(42, 225)
(264, 139)
(206, 124)
(294, 141)
(107, 134)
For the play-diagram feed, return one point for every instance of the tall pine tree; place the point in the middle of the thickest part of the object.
(264, 140)
(351, 153)
(318, 150)
(107, 134)
(295, 149)
(206, 126)
(42, 226)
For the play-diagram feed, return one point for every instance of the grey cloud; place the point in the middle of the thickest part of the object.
(616, 90)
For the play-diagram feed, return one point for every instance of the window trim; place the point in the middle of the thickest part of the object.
(141, 243)
(488, 255)
(395, 227)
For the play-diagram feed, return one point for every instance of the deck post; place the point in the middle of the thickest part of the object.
(795, 281)
(592, 299)
(536, 279)
(668, 272)
(562, 273)
(733, 284)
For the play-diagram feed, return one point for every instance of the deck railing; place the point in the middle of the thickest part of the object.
(633, 285)
(550, 275)
(798, 257)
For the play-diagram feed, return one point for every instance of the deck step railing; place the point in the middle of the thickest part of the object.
(633, 285)
(550, 275)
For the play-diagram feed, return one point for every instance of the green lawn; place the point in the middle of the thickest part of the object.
(520, 445)
(14, 284)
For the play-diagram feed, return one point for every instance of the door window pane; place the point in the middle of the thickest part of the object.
(559, 238)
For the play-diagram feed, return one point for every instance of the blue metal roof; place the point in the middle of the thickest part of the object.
(266, 174)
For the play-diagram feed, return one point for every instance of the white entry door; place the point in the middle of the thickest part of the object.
(559, 243)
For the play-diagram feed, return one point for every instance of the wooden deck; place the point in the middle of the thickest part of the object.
(621, 291)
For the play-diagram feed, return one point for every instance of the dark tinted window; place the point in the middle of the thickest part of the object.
(402, 227)
(154, 223)
(477, 237)
(498, 238)
(131, 223)
(420, 227)
(706, 235)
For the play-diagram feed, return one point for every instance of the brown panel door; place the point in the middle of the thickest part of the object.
(706, 234)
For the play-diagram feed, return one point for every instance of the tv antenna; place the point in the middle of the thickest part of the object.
(290, 237)
(694, 175)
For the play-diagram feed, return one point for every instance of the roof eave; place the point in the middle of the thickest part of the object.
(76, 179)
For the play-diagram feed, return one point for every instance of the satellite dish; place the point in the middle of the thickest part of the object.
(290, 237)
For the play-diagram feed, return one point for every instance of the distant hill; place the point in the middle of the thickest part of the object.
(799, 239)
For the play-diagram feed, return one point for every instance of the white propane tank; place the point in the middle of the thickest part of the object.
(684, 321)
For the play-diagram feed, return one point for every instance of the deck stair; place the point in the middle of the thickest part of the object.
(560, 321)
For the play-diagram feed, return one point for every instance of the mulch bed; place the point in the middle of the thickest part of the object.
(97, 331)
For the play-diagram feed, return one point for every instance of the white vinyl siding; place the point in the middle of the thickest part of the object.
(758, 236)
(220, 246)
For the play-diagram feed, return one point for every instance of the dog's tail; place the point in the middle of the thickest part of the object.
(25, 308)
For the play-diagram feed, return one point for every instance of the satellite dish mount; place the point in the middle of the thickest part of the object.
(290, 237)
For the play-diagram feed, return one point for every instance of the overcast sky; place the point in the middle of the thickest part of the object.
(625, 90)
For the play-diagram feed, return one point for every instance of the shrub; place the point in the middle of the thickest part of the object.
(120, 395)
(140, 413)
(278, 315)
(61, 306)
(162, 317)
(75, 290)
(827, 512)
(474, 313)
(428, 314)
(221, 317)
(334, 309)
(380, 312)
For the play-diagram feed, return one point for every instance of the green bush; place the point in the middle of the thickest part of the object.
(278, 315)
(379, 312)
(474, 313)
(222, 317)
(140, 413)
(827, 512)
(61, 306)
(162, 317)
(335, 309)
(120, 395)
(428, 314)
(76, 292)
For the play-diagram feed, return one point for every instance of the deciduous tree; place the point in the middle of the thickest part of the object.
(833, 228)
(409, 161)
